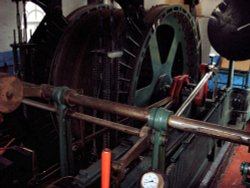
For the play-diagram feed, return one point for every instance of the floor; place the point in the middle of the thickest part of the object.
(232, 178)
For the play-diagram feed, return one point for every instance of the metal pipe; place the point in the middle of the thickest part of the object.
(24, 22)
(185, 124)
(15, 54)
(18, 21)
(39, 105)
(71, 97)
(164, 102)
(209, 129)
(193, 94)
(107, 106)
(230, 78)
(84, 117)
(105, 123)
(43, 91)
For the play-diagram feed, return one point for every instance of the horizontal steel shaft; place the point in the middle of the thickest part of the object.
(209, 129)
(71, 97)
(107, 106)
(105, 123)
(39, 105)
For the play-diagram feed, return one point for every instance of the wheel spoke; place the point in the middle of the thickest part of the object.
(167, 66)
(154, 54)
(143, 95)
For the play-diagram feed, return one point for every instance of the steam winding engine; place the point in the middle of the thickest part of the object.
(133, 84)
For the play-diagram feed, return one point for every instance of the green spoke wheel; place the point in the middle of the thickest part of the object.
(170, 48)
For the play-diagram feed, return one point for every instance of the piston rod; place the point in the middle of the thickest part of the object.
(83, 117)
(39, 105)
(209, 129)
(105, 123)
(71, 97)
(107, 106)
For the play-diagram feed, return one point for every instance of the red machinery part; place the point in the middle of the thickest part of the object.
(199, 100)
(182, 80)
(179, 82)
(106, 168)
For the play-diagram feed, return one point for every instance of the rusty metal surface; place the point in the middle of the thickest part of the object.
(107, 106)
(42, 91)
(73, 98)
(140, 146)
(11, 93)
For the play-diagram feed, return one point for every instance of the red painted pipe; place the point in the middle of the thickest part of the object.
(106, 168)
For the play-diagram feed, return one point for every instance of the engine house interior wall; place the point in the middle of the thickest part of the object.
(7, 24)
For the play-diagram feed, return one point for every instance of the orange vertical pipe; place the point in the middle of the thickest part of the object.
(106, 166)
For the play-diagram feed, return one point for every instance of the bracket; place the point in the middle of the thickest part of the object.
(158, 118)
(65, 137)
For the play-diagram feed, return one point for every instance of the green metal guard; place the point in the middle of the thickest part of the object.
(157, 120)
(65, 137)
